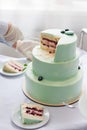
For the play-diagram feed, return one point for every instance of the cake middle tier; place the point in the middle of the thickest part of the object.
(43, 65)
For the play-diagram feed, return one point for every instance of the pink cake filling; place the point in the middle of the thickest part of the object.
(49, 44)
(55, 42)
(34, 111)
(15, 66)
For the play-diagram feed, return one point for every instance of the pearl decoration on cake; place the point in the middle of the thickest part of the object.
(62, 31)
(66, 29)
(40, 78)
(67, 32)
(78, 67)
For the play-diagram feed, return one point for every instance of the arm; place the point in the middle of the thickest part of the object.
(3, 28)
(12, 35)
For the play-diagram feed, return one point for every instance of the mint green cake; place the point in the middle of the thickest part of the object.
(54, 75)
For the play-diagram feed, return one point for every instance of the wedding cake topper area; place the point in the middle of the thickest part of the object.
(54, 40)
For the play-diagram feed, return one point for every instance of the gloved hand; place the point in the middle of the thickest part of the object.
(26, 46)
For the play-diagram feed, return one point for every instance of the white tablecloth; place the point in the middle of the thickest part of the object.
(11, 96)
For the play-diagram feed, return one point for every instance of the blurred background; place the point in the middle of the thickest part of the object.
(33, 16)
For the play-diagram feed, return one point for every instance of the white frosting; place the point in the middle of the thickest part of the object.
(43, 54)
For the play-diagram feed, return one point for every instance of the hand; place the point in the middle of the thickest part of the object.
(14, 45)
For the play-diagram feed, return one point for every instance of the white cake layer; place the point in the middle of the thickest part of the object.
(43, 65)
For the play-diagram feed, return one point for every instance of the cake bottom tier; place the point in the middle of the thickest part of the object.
(53, 93)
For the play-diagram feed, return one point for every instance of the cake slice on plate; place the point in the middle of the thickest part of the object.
(13, 67)
(31, 113)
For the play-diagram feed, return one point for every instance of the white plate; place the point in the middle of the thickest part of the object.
(16, 119)
(11, 74)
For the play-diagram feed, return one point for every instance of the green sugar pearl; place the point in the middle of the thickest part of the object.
(40, 78)
(62, 31)
(69, 32)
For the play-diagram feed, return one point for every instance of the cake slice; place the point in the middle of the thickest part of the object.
(31, 113)
(13, 67)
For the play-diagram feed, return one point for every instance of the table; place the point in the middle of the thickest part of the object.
(11, 96)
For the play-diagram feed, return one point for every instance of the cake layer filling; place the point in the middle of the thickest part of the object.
(13, 67)
(34, 111)
(43, 65)
(46, 40)
(51, 92)
(48, 44)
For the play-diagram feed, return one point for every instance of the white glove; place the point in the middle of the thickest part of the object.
(13, 35)
(26, 46)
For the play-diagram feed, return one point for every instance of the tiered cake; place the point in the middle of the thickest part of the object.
(54, 75)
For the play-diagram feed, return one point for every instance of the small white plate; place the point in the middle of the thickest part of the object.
(16, 119)
(11, 74)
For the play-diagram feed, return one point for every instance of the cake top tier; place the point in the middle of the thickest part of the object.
(61, 36)
(60, 42)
